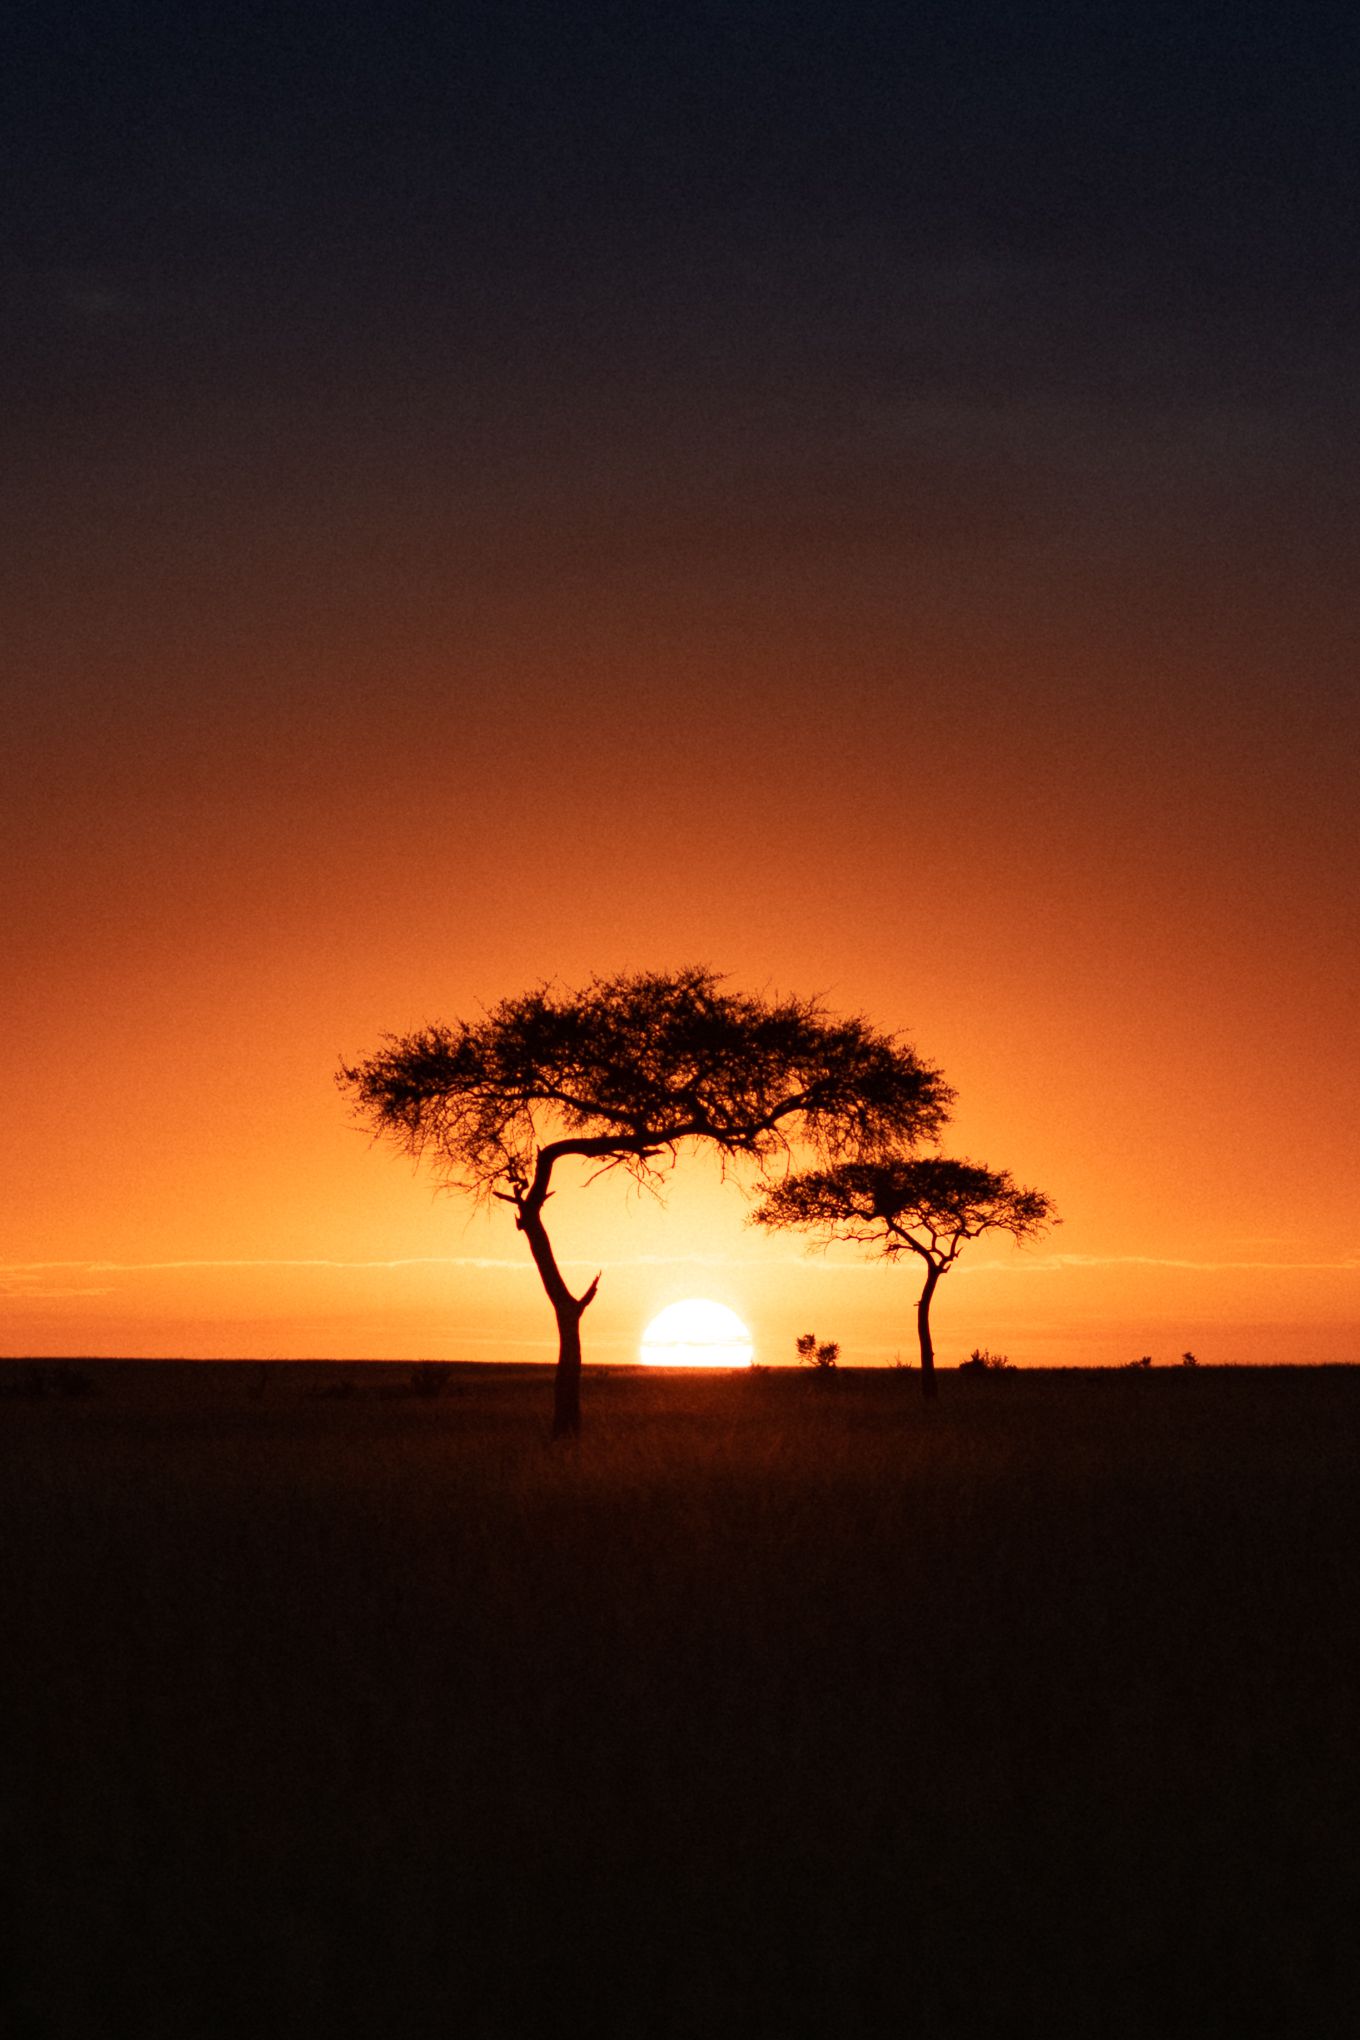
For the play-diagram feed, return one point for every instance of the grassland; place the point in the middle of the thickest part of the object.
(765, 1709)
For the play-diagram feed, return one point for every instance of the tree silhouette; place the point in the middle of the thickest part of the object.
(930, 1206)
(621, 1075)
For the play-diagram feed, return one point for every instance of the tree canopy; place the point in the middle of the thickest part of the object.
(879, 1203)
(622, 1074)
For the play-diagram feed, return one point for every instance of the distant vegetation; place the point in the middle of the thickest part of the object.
(824, 1357)
(980, 1361)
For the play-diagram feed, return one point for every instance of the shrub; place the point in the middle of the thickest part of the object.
(981, 1361)
(811, 1354)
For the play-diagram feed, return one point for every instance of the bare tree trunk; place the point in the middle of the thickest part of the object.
(928, 1385)
(567, 1380)
(568, 1310)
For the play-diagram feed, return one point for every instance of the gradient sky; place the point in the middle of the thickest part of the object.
(864, 497)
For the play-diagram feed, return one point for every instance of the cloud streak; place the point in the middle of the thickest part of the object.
(516, 1265)
(1053, 1263)
(21, 1273)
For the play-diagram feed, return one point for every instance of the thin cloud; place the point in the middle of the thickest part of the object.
(1052, 1263)
(58, 1295)
(170, 1267)
(16, 1277)
(514, 1266)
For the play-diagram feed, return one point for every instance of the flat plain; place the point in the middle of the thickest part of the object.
(769, 1706)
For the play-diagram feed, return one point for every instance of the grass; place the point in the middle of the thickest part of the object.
(773, 1706)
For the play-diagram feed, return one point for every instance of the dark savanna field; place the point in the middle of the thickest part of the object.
(771, 1706)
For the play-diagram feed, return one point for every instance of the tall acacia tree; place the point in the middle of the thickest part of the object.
(623, 1074)
(928, 1205)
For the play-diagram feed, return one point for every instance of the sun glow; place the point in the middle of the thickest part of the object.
(696, 1333)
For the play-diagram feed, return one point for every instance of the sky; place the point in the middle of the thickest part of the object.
(860, 497)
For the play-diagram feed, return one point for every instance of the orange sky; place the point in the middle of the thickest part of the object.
(823, 507)
(1119, 934)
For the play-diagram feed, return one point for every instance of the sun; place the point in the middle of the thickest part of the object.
(696, 1333)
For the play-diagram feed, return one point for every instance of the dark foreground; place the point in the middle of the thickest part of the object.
(762, 1710)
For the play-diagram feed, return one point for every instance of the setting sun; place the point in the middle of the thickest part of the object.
(696, 1333)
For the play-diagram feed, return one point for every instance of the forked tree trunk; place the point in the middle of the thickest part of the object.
(933, 1273)
(568, 1310)
(567, 1380)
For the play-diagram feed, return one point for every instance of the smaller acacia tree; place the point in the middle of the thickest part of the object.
(930, 1206)
(623, 1074)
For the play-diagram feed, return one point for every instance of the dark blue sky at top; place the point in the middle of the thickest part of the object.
(331, 311)
(200, 197)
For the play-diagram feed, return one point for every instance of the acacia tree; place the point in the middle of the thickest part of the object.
(623, 1074)
(926, 1205)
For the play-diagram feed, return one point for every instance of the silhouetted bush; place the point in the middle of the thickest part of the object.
(823, 1357)
(980, 1361)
